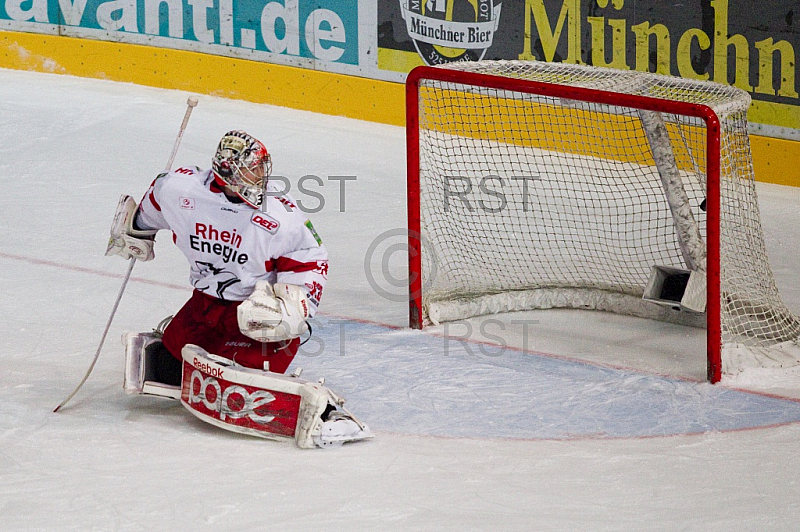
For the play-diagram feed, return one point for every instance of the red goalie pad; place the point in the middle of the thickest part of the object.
(249, 401)
(246, 407)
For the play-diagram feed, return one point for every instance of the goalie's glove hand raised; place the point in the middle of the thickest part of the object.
(126, 241)
(274, 313)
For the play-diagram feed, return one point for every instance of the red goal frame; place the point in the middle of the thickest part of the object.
(418, 76)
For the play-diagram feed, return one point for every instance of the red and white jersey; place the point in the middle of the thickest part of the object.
(231, 245)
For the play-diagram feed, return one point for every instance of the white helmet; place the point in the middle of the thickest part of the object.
(244, 165)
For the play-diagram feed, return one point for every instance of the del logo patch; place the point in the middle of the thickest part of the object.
(266, 222)
(187, 203)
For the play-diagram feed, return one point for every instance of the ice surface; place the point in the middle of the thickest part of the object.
(540, 420)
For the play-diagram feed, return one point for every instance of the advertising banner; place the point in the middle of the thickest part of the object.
(309, 33)
(720, 40)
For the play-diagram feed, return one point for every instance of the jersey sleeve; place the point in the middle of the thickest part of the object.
(306, 265)
(149, 215)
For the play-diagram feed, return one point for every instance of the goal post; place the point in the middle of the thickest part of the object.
(541, 185)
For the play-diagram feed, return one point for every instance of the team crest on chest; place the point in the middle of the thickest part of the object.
(266, 222)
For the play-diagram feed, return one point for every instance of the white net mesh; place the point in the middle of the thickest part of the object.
(531, 201)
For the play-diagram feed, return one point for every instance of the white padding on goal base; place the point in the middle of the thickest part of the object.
(738, 357)
(547, 298)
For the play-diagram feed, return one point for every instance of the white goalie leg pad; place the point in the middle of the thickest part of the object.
(134, 343)
(138, 368)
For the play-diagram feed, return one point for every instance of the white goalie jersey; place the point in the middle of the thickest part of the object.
(230, 246)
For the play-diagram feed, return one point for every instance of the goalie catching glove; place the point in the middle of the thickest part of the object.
(126, 241)
(274, 313)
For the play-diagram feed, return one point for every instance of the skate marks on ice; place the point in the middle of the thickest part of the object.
(406, 381)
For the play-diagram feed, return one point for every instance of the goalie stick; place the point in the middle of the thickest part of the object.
(191, 103)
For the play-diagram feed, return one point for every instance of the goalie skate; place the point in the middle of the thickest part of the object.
(341, 428)
(264, 404)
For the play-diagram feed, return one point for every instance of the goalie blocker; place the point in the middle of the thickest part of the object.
(248, 401)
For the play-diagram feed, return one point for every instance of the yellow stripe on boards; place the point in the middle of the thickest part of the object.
(776, 160)
(556, 128)
(241, 79)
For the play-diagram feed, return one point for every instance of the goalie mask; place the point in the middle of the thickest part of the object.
(244, 165)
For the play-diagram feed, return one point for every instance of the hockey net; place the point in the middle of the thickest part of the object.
(539, 185)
